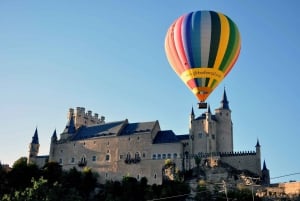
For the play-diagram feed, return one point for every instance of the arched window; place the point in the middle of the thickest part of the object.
(107, 157)
(137, 155)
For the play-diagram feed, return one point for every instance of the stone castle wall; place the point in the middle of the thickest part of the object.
(243, 161)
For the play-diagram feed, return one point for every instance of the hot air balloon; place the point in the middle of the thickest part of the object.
(202, 48)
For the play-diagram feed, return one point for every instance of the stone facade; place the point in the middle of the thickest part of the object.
(121, 148)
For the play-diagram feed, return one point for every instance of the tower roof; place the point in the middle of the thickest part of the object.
(265, 166)
(224, 102)
(192, 113)
(70, 127)
(257, 143)
(35, 138)
(54, 135)
(208, 109)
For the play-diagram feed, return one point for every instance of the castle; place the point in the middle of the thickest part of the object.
(120, 148)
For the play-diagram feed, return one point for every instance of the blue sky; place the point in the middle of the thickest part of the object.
(108, 56)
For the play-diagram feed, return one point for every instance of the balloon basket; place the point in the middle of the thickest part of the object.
(202, 105)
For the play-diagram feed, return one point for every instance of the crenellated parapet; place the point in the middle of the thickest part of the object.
(85, 118)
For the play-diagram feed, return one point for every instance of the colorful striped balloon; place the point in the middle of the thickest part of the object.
(202, 48)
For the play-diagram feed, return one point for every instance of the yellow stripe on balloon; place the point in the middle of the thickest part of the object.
(224, 38)
(201, 73)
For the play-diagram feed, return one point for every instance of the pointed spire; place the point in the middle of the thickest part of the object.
(265, 166)
(54, 136)
(208, 109)
(224, 101)
(257, 143)
(35, 138)
(70, 127)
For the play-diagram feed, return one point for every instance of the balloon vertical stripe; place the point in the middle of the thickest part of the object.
(202, 48)
(205, 37)
(215, 38)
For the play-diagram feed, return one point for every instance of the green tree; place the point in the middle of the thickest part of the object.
(52, 172)
(21, 174)
(41, 191)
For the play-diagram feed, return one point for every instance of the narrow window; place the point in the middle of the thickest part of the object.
(94, 158)
(107, 157)
(154, 156)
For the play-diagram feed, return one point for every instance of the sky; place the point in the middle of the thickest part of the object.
(108, 56)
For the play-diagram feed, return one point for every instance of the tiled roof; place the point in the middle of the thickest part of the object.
(141, 127)
(111, 128)
(167, 136)
(183, 137)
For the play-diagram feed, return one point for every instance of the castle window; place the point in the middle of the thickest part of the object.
(138, 177)
(213, 136)
(107, 151)
(60, 161)
(158, 156)
(144, 155)
(200, 135)
(128, 156)
(175, 155)
(154, 176)
(129, 139)
(72, 160)
(137, 155)
(107, 143)
(169, 156)
(138, 138)
(94, 158)
(107, 157)
(154, 156)
(106, 175)
(121, 156)
(164, 156)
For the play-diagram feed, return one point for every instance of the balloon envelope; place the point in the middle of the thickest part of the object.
(202, 48)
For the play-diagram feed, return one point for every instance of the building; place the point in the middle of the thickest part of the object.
(120, 148)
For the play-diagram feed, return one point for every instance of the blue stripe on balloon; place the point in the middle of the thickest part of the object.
(195, 37)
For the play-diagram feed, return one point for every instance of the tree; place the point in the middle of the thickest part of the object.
(21, 174)
(52, 172)
(40, 190)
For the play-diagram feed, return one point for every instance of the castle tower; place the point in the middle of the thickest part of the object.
(258, 157)
(52, 144)
(33, 148)
(265, 175)
(224, 129)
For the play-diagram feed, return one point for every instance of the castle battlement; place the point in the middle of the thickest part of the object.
(226, 154)
(84, 118)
